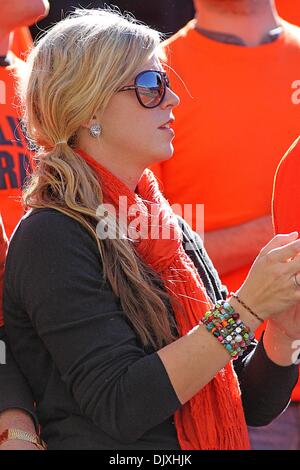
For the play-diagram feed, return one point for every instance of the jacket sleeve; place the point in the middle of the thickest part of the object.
(14, 389)
(120, 387)
(266, 387)
(15, 392)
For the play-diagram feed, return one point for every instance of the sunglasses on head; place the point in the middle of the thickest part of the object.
(150, 87)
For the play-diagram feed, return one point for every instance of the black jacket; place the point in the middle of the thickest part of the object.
(94, 384)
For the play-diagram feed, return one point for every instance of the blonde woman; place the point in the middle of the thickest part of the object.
(105, 315)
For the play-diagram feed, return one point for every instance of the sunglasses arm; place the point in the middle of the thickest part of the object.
(126, 88)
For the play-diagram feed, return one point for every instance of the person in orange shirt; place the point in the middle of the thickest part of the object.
(238, 61)
(289, 10)
(286, 192)
(235, 112)
(286, 217)
(285, 430)
(14, 157)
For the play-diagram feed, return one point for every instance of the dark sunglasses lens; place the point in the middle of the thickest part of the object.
(150, 88)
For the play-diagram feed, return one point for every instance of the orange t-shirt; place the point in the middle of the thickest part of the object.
(14, 156)
(233, 131)
(3, 250)
(289, 10)
(286, 202)
(22, 42)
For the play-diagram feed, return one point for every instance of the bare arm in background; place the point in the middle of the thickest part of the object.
(233, 247)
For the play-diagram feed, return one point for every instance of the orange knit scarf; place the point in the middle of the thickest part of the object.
(214, 417)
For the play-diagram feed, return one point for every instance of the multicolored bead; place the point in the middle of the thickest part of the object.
(225, 324)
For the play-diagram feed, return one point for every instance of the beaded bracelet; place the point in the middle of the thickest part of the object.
(225, 324)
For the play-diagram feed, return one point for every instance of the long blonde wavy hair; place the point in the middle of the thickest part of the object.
(73, 71)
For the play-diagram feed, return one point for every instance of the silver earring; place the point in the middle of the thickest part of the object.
(95, 130)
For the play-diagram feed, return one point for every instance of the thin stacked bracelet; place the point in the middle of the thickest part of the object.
(225, 324)
(234, 294)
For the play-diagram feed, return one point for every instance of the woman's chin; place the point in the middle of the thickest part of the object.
(167, 154)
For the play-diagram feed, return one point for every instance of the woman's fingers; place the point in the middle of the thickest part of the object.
(279, 241)
(283, 253)
(271, 285)
(293, 267)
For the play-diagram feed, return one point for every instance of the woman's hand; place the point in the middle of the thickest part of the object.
(270, 288)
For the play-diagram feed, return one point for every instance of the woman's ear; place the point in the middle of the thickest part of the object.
(93, 126)
(91, 122)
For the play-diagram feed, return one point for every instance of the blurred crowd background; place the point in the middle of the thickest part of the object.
(166, 16)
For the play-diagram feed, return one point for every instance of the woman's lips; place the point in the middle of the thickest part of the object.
(167, 125)
(169, 130)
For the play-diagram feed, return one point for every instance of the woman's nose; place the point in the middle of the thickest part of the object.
(171, 99)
